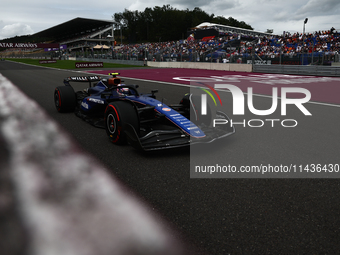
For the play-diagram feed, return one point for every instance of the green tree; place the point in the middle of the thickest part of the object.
(166, 23)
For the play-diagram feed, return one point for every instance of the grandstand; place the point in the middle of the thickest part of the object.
(78, 33)
(218, 29)
(86, 39)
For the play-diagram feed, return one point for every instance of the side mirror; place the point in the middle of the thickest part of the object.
(153, 92)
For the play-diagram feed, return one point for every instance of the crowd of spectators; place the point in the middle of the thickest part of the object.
(327, 42)
(319, 42)
(228, 47)
(174, 49)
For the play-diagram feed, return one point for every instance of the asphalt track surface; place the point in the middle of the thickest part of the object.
(224, 215)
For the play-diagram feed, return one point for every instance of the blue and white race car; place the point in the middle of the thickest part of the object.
(138, 119)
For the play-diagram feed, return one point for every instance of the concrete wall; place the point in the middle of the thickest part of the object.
(166, 64)
(203, 65)
(314, 70)
(113, 61)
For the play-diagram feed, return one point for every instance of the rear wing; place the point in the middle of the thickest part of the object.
(88, 79)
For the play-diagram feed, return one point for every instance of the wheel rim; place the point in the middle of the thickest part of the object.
(57, 99)
(111, 123)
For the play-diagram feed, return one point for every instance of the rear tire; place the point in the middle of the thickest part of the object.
(118, 114)
(64, 99)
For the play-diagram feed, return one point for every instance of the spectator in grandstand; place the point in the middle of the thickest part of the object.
(327, 42)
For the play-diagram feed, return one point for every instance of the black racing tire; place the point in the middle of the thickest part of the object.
(118, 114)
(65, 99)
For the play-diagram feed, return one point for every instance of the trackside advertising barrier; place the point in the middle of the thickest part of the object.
(29, 45)
(89, 64)
(47, 61)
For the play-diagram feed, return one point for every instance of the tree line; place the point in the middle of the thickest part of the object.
(165, 23)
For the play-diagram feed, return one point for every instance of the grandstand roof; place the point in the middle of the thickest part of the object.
(72, 28)
(221, 27)
(206, 24)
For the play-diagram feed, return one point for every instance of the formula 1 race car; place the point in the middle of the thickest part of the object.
(139, 119)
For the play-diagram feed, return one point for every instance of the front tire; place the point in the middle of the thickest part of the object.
(64, 99)
(118, 114)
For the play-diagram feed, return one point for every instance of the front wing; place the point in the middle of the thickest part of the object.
(176, 138)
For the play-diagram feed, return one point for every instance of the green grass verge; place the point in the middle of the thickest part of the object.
(65, 64)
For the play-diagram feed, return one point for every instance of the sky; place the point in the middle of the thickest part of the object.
(22, 17)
